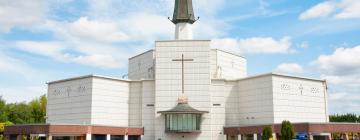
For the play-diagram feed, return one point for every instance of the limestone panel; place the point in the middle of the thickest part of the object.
(148, 109)
(168, 83)
(299, 100)
(69, 102)
(226, 65)
(110, 102)
(255, 101)
(142, 66)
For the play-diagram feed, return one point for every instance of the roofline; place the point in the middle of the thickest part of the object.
(97, 76)
(273, 74)
(232, 53)
(182, 112)
(291, 123)
(179, 40)
(67, 124)
(151, 50)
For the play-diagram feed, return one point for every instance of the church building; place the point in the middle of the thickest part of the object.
(183, 90)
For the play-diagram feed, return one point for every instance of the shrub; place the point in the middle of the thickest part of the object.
(267, 133)
(287, 131)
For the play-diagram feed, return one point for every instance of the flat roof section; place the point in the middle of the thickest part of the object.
(298, 127)
(70, 129)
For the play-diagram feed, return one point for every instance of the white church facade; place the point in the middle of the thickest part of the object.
(182, 89)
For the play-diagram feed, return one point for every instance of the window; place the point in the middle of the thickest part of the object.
(182, 122)
(116, 137)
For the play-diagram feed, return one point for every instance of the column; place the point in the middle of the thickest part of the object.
(48, 137)
(311, 137)
(328, 137)
(19, 137)
(108, 137)
(239, 137)
(274, 136)
(32, 137)
(346, 136)
(88, 136)
(126, 137)
(255, 136)
(6, 137)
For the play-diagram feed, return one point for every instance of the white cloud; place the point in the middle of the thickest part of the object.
(22, 93)
(352, 80)
(148, 27)
(97, 30)
(16, 68)
(320, 10)
(350, 9)
(344, 9)
(103, 34)
(289, 68)
(107, 36)
(342, 71)
(21, 13)
(255, 45)
(41, 48)
(61, 52)
(344, 102)
(343, 61)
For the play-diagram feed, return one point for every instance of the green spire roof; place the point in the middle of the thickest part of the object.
(183, 108)
(183, 12)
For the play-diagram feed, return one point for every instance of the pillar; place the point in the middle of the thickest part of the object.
(239, 137)
(88, 136)
(346, 136)
(255, 136)
(19, 137)
(274, 136)
(311, 137)
(32, 137)
(6, 137)
(126, 137)
(108, 137)
(328, 137)
(49, 137)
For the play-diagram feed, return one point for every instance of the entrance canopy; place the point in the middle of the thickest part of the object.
(182, 119)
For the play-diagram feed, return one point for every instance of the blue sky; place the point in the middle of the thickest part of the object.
(43, 40)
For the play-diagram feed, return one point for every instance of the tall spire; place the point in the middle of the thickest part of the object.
(183, 12)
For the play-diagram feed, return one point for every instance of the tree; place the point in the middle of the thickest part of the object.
(19, 113)
(267, 133)
(24, 113)
(287, 130)
(38, 109)
(3, 116)
(344, 118)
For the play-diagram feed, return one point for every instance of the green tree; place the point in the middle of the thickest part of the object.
(344, 118)
(287, 130)
(267, 133)
(19, 113)
(38, 109)
(3, 115)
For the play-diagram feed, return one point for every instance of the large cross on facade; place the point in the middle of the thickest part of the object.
(182, 68)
